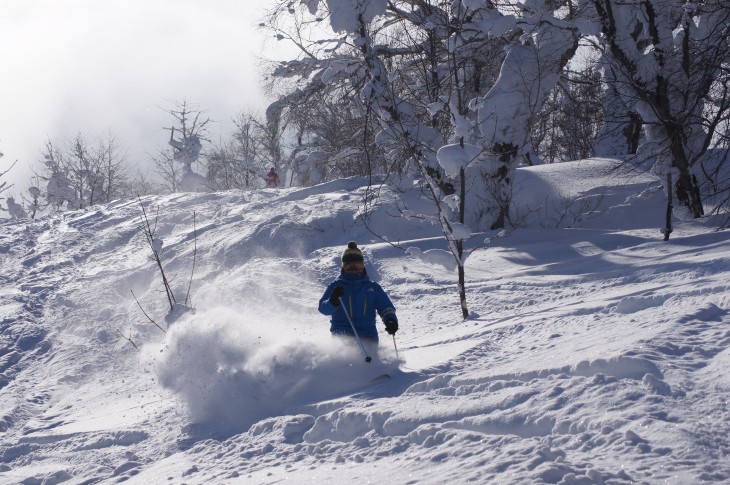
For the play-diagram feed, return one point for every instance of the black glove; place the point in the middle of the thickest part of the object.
(391, 324)
(335, 295)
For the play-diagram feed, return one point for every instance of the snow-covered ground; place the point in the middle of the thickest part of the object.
(595, 353)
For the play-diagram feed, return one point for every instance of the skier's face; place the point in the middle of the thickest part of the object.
(354, 267)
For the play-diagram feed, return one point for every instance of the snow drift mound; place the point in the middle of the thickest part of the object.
(231, 369)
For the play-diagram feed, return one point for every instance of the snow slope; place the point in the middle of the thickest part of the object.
(595, 353)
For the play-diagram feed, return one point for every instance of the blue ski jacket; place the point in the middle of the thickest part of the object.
(362, 298)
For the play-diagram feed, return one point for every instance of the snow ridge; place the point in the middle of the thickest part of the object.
(595, 352)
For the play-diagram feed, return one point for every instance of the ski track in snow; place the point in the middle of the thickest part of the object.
(592, 356)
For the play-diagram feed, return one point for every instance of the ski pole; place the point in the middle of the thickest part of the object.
(396, 348)
(362, 346)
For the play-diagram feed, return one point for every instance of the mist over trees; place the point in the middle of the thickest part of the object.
(380, 88)
(79, 172)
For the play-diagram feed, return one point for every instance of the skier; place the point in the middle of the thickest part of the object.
(353, 292)
(272, 179)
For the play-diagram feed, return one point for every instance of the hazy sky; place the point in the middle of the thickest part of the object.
(97, 65)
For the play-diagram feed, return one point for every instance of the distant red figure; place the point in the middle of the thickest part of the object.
(272, 179)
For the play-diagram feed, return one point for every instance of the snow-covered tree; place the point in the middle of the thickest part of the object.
(319, 104)
(431, 81)
(443, 72)
(166, 169)
(569, 127)
(59, 187)
(529, 72)
(246, 146)
(469, 79)
(112, 181)
(79, 173)
(187, 135)
(236, 163)
(271, 133)
(34, 204)
(187, 149)
(621, 131)
(670, 61)
(15, 210)
(4, 184)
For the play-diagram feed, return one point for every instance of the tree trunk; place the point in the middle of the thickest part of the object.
(460, 246)
(462, 284)
(668, 223)
(632, 132)
(688, 192)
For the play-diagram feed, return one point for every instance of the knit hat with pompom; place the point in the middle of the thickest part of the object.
(352, 253)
